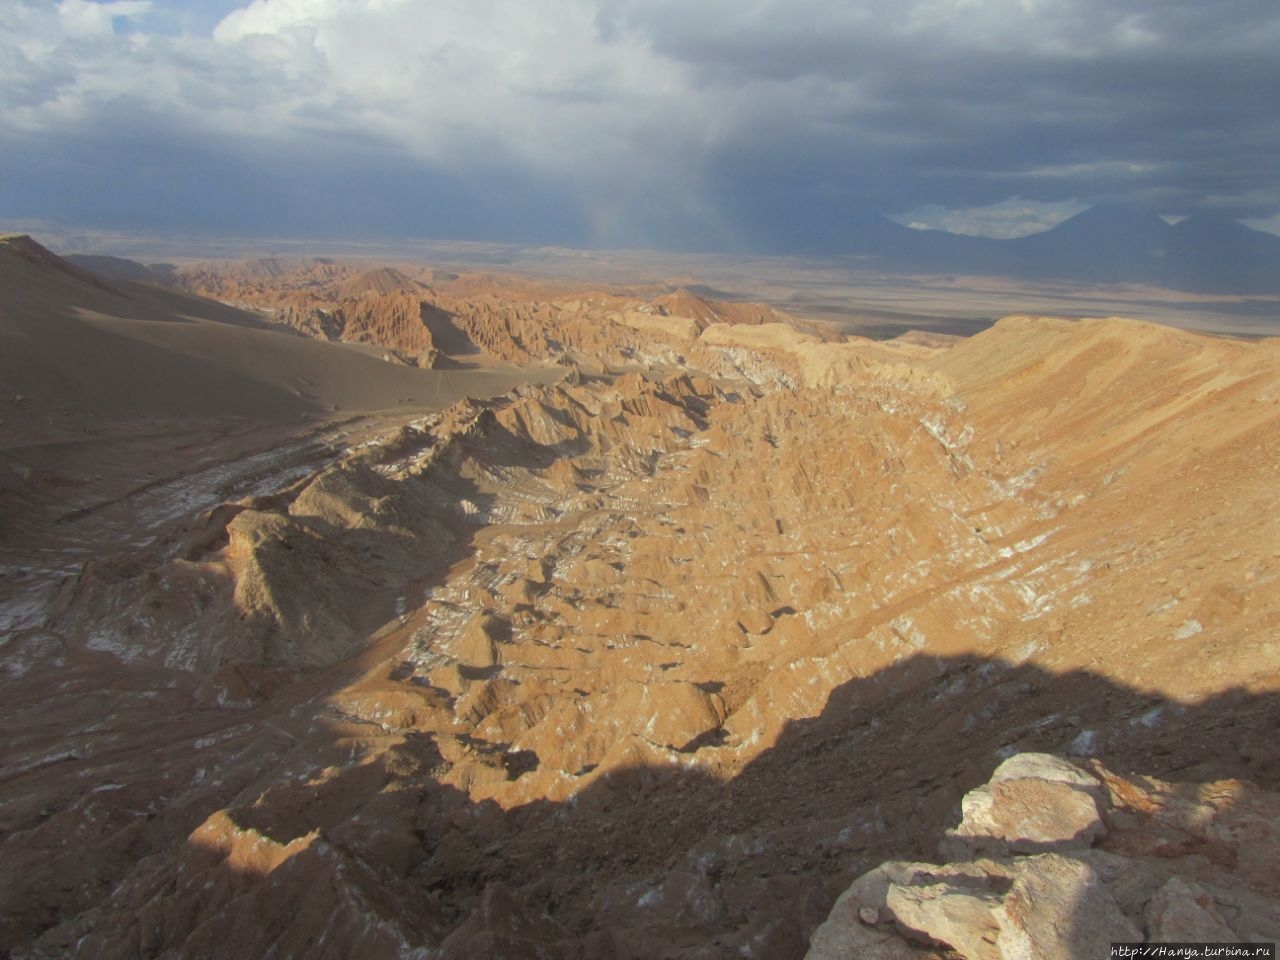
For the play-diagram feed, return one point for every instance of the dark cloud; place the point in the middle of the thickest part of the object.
(139, 171)
(1092, 100)
(651, 122)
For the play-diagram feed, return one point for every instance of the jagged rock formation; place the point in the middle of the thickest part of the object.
(705, 312)
(325, 300)
(505, 320)
(655, 663)
(1055, 861)
(382, 319)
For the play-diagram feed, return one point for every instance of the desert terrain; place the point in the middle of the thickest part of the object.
(858, 294)
(382, 609)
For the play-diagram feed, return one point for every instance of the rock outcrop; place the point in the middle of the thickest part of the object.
(1054, 861)
(464, 315)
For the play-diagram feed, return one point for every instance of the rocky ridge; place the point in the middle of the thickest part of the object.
(504, 318)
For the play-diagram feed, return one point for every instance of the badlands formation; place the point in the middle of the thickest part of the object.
(407, 614)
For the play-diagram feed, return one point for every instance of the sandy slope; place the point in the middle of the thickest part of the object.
(129, 351)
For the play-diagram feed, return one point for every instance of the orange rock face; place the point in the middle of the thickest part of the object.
(468, 315)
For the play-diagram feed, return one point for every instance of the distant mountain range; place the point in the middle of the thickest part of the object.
(1104, 244)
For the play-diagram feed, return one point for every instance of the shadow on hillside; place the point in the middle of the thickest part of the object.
(154, 757)
(446, 362)
(449, 338)
(670, 861)
(892, 326)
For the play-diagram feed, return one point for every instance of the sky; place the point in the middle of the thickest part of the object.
(668, 124)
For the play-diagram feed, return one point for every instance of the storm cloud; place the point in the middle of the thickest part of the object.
(641, 122)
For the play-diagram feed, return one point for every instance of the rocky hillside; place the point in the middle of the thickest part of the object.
(323, 299)
(411, 309)
(657, 663)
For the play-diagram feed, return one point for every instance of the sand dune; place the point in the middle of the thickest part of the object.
(87, 353)
(134, 351)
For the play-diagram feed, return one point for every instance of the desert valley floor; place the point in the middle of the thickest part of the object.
(381, 611)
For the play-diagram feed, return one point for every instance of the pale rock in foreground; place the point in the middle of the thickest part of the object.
(1028, 883)
(1034, 803)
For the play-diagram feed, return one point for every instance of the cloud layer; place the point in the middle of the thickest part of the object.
(648, 122)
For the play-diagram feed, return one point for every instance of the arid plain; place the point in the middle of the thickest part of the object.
(391, 610)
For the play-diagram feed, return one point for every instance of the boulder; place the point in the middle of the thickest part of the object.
(1027, 884)
(1046, 766)
(1059, 908)
(1184, 912)
(1033, 804)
